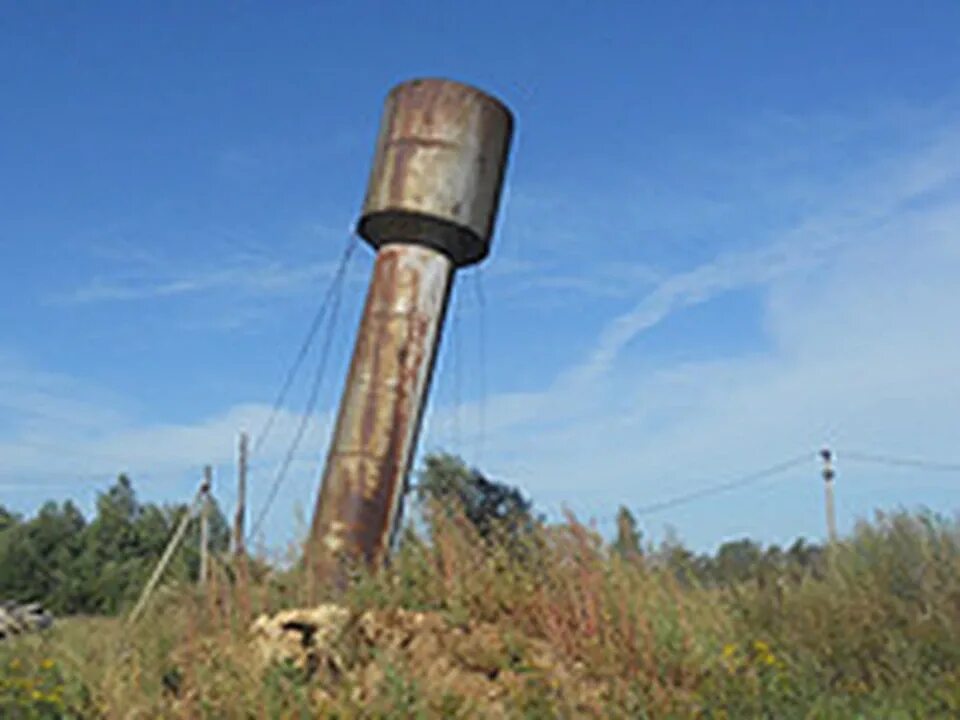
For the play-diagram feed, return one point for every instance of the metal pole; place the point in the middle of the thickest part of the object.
(430, 208)
(205, 525)
(238, 519)
(828, 478)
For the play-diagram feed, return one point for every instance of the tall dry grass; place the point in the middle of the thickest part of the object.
(875, 634)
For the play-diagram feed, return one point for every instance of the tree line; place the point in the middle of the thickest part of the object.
(501, 514)
(76, 565)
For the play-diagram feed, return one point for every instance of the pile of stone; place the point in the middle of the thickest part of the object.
(17, 619)
(477, 662)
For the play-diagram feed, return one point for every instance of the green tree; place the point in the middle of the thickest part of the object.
(113, 562)
(73, 566)
(805, 558)
(736, 561)
(7, 518)
(629, 538)
(37, 555)
(499, 512)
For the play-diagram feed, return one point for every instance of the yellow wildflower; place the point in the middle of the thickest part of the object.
(763, 654)
(728, 650)
(47, 664)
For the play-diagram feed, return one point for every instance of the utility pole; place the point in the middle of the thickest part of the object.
(166, 557)
(828, 477)
(430, 207)
(205, 525)
(238, 548)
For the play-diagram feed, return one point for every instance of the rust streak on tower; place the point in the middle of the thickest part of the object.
(430, 208)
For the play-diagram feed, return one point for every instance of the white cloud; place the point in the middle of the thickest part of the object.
(232, 264)
(63, 438)
(860, 300)
(860, 350)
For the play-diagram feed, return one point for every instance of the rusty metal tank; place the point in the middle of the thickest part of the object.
(430, 207)
(438, 169)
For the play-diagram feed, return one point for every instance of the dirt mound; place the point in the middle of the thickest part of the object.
(482, 666)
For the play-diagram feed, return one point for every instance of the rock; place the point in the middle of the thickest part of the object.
(300, 636)
(16, 619)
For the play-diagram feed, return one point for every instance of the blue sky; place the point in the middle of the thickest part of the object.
(729, 235)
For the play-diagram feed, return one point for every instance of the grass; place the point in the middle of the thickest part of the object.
(875, 633)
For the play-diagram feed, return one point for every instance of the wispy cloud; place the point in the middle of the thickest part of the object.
(682, 290)
(58, 437)
(857, 295)
(550, 283)
(252, 277)
(234, 263)
(884, 194)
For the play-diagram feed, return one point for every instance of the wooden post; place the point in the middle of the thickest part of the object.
(238, 519)
(165, 558)
(205, 525)
(828, 476)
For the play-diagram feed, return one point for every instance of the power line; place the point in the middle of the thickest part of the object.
(723, 487)
(301, 355)
(336, 289)
(696, 494)
(892, 461)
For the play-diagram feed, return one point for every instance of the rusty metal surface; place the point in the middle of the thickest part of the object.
(438, 169)
(381, 409)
